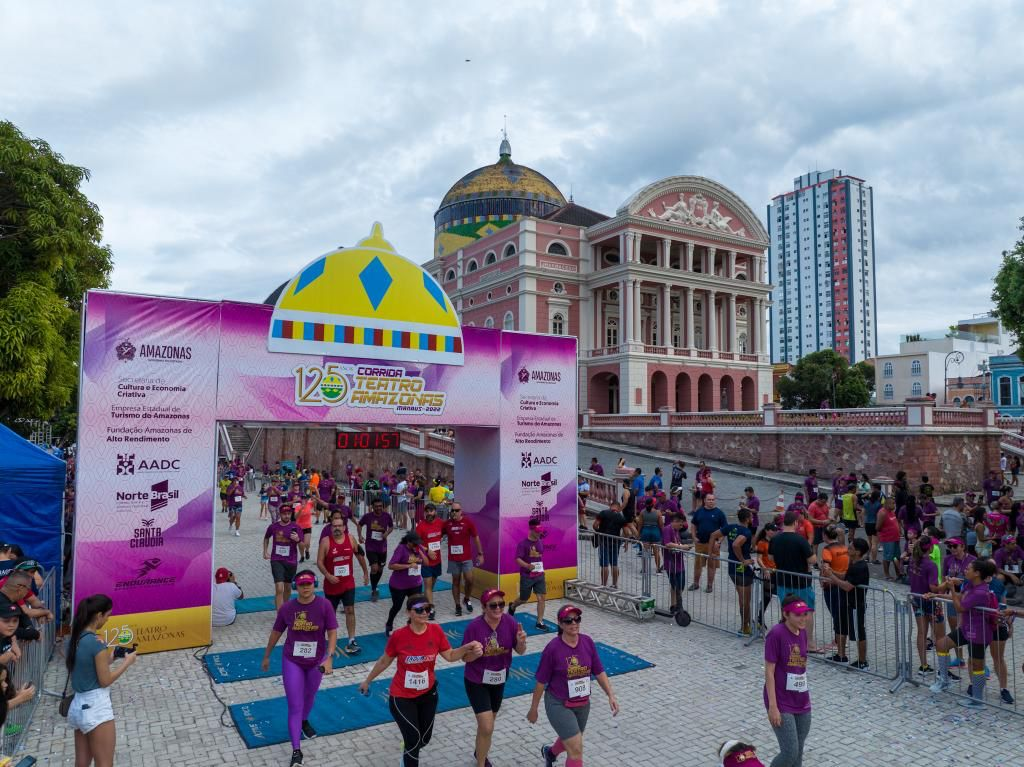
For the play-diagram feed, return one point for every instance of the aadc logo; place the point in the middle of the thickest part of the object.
(530, 460)
(127, 465)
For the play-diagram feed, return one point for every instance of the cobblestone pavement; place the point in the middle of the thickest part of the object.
(705, 688)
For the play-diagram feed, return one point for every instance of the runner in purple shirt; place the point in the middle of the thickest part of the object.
(786, 692)
(753, 503)
(976, 629)
(563, 680)
(675, 560)
(530, 558)
(308, 654)
(280, 546)
(811, 484)
(378, 524)
(499, 634)
(406, 573)
(326, 487)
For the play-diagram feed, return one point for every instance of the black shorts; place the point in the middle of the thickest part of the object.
(1002, 633)
(870, 528)
(377, 558)
(223, 496)
(851, 525)
(283, 572)
(959, 640)
(307, 530)
(743, 577)
(347, 598)
(484, 697)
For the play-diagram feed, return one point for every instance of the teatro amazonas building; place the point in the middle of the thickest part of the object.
(668, 296)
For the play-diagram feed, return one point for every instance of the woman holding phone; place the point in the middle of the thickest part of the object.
(90, 674)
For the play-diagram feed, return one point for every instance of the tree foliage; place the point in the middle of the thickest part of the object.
(824, 376)
(50, 254)
(1008, 291)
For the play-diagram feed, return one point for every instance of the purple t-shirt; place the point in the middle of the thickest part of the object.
(1009, 560)
(788, 651)
(675, 561)
(922, 576)
(956, 568)
(325, 488)
(307, 625)
(332, 507)
(376, 527)
(282, 547)
(401, 579)
(561, 664)
(977, 625)
(754, 504)
(598, 469)
(530, 551)
(274, 496)
(498, 646)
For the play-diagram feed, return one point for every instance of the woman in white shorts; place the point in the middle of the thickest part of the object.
(91, 672)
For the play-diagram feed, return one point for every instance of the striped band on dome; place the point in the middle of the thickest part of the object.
(364, 336)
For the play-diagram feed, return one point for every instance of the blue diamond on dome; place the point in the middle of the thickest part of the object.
(434, 291)
(376, 281)
(309, 274)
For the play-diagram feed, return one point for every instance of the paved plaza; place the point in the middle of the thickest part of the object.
(705, 687)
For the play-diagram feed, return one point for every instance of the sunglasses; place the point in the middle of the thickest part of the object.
(575, 619)
(496, 605)
(422, 609)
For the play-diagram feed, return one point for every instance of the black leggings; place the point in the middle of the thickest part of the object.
(415, 718)
(398, 597)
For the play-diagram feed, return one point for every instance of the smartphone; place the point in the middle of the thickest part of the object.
(120, 652)
(28, 761)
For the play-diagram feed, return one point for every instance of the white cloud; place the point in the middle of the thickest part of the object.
(231, 143)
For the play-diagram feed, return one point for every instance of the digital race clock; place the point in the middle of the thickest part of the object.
(368, 440)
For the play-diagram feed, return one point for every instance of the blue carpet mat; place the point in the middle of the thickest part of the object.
(242, 665)
(265, 604)
(343, 709)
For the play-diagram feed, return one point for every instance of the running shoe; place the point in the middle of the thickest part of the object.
(837, 658)
(468, 604)
(939, 685)
(954, 662)
(487, 762)
(709, 589)
(1005, 697)
(308, 733)
(296, 759)
(970, 703)
(549, 758)
(673, 609)
(542, 627)
(693, 587)
(859, 665)
(374, 595)
(237, 534)
(458, 611)
(925, 669)
(352, 648)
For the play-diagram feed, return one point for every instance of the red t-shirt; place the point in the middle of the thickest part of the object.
(431, 533)
(338, 562)
(819, 511)
(459, 534)
(417, 654)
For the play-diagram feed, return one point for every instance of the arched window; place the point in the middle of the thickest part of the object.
(915, 368)
(956, 401)
(611, 333)
(611, 256)
(743, 343)
(490, 258)
(510, 250)
(887, 392)
(557, 249)
(558, 325)
(509, 322)
(471, 324)
(915, 390)
(472, 265)
(449, 275)
(887, 370)
(489, 322)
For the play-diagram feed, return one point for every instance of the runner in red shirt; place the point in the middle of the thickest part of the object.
(334, 559)
(460, 557)
(431, 530)
(412, 695)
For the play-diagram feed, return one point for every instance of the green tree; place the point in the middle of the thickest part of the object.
(50, 254)
(1008, 292)
(867, 371)
(822, 376)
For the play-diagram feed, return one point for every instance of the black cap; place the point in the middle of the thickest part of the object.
(8, 609)
(27, 564)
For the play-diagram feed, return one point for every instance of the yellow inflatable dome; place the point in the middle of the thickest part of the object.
(368, 302)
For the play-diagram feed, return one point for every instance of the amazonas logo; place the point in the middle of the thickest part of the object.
(127, 352)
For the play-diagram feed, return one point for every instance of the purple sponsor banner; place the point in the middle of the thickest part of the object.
(258, 385)
(538, 448)
(146, 431)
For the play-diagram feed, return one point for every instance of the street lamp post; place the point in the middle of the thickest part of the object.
(953, 356)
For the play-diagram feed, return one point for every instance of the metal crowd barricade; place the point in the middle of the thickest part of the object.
(30, 668)
(1001, 659)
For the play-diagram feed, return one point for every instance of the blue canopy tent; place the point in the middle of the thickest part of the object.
(31, 499)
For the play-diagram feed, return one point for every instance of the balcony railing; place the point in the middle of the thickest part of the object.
(894, 416)
(673, 351)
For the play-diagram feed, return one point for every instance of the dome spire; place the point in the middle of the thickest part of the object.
(505, 149)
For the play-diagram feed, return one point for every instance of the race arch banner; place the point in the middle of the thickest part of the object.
(159, 373)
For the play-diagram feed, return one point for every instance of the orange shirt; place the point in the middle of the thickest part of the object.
(762, 553)
(314, 481)
(304, 518)
(805, 528)
(836, 556)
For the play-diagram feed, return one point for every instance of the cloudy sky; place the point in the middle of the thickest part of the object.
(230, 143)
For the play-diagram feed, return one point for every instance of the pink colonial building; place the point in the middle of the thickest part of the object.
(668, 297)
